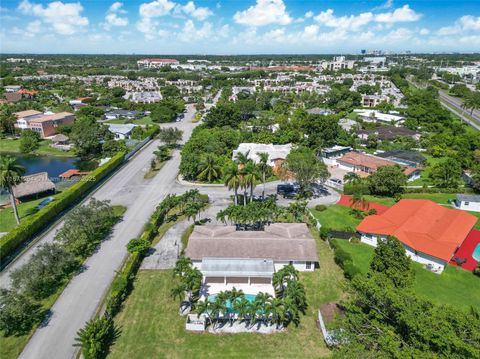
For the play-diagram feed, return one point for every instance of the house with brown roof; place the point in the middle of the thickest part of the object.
(430, 232)
(365, 164)
(247, 260)
(34, 185)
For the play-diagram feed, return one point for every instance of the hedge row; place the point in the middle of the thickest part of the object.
(344, 260)
(30, 226)
(122, 283)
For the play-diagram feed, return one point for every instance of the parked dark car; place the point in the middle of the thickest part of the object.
(286, 190)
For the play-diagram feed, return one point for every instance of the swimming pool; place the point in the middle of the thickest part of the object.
(476, 253)
(249, 297)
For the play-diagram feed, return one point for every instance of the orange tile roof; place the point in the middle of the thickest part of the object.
(373, 162)
(423, 225)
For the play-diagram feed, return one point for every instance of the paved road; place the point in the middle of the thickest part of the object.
(451, 101)
(81, 298)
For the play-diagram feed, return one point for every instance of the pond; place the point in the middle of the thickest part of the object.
(53, 165)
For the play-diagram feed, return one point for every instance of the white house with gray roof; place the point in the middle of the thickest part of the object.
(247, 260)
(468, 202)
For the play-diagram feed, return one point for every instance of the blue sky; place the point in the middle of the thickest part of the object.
(238, 26)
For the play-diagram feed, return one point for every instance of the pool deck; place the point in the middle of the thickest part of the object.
(466, 251)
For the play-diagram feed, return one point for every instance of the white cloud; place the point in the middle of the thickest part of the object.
(309, 14)
(352, 22)
(65, 19)
(264, 12)
(387, 5)
(424, 31)
(200, 13)
(112, 18)
(191, 33)
(469, 22)
(402, 14)
(148, 12)
(464, 24)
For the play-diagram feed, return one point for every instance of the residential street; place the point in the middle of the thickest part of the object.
(81, 298)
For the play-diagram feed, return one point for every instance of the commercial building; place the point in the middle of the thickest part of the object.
(338, 63)
(156, 63)
(45, 124)
(430, 233)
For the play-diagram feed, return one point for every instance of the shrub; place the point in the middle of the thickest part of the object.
(324, 233)
(96, 337)
(320, 207)
(33, 224)
(350, 270)
(141, 246)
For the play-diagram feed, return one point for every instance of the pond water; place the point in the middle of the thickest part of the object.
(51, 164)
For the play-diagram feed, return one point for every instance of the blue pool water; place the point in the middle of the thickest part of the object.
(476, 253)
(249, 297)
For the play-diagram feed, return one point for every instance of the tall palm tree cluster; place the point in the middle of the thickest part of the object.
(285, 308)
(244, 174)
(189, 204)
(254, 215)
(190, 280)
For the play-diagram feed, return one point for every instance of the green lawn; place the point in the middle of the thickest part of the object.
(454, 286)
(7, 219)
(337, 217)
(13, 146)
(151, 325)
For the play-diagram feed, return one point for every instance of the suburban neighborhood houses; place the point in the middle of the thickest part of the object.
(260, 179)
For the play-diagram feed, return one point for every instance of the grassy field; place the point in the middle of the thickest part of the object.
(454, 286)
(151, 325)
(7, 219)
(337, 217)
(13, 146)
(441, 198)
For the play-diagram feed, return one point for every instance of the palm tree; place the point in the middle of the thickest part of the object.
(251, 177)
(351, 177)
(296, 292)
(182, 265)
(10, 176)
(283, 277)
(359, 201)
(217, 308)
(261, 302)
(264, 167)
(242, 308)
(242, 158)
(276, 310)
(178, 291)
(209, 169)
(232, 179)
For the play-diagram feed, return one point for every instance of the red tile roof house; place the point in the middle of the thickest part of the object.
(364, 165)
(430, 232)
(45, 124)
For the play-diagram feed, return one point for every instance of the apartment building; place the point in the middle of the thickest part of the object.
(45, 124)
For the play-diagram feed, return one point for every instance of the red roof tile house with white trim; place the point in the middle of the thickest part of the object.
(430, 232)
